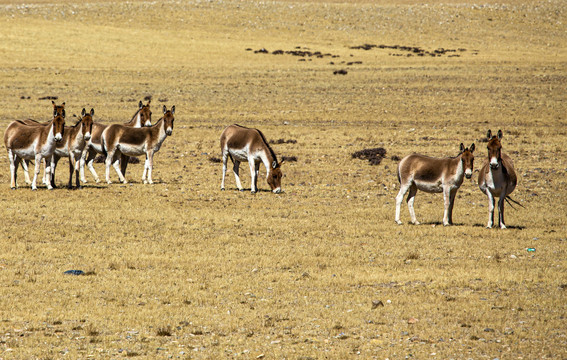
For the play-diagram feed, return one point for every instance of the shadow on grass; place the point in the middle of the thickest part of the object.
(511, 227)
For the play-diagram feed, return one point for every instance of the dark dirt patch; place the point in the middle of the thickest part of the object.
(414, 50)
(289, 158)
(101, 159)
(283, 141)
(374, 156)
(340, 72)
(214, 159)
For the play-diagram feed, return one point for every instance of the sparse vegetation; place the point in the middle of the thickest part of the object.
(322, 270)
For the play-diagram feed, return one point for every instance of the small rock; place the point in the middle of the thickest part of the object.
(377, 303)
(488, 330)
(412, 320)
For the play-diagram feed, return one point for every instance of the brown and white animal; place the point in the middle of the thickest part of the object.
(497, 178)
(433, 175)
(57, 109)
(142, 117)
(242, 144)
(118, 140)
(33, 142)
(71, 146)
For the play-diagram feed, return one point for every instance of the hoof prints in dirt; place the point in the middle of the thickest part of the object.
(297, 52)
(374, 156)
(414, 50)
(131, 160)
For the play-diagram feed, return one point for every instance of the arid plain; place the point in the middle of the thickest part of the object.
(179, 269)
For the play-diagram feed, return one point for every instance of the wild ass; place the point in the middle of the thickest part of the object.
(119, 140)
(244, 144)
(72, 146)
(497, 178)
(33, 142)
(142, 117)
(57, 109)
(433, 175)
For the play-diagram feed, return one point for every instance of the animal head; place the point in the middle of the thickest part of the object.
(58, 109)
(467, 158)
(58, 126)
(168, 119)
(275, 177)
(145, 114)
(87, 123)
(494, 149)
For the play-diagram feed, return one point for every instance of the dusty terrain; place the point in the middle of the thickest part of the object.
(180, 269)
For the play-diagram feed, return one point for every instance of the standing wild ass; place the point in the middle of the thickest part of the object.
(33, 142)
(118, 140)
(242, 144)
(497, 178)
(433, 175)
(72, 145)
(142, 117)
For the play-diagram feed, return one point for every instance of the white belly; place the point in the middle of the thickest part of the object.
(430, 187)
(239, 155)
(132, 150)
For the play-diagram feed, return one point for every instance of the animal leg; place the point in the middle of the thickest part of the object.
(48, 174)
(107, 164)
(46, 179)
(124, 164)
(235, 169)
(256, 172)
(224, 161)
(13, 169)
(116, 165)
(254, 180)
(150, 167)
(501, 210)
(411, 199)
(54, 161)
(25, 164)
(36, 172)
(399, 198)
(490, 209)
(91, 155)
(451, 204)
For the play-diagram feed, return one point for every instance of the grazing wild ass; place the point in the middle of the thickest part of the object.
(244, 144)
(433, 175)
(142, 117)
(118, 140)
(33, 142)
(497, 178)
(71, 146)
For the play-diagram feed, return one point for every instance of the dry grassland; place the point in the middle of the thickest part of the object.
(182, 270)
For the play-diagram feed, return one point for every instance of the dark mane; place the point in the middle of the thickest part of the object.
(268, 145)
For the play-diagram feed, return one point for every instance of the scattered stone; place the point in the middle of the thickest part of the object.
(340, 72)
(376, 304)
(412, 320)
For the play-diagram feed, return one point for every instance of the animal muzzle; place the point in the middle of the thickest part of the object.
(494, 164)
(468, 173)
(58, 137)
(277, 190)
(148, 123)
(87, 136)
(169, 131)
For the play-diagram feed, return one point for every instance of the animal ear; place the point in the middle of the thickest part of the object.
(164, 109)
(472, 147)
(83, 112)
(140, 104)
(173, 109)
(462, 147)
(63, 105)
(489, 134)
(92, 112)
(53, 102)
(149, 101)
(281, 162)
(499, 134)
(274, 164)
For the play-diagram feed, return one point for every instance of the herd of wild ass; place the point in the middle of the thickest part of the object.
(47, 142)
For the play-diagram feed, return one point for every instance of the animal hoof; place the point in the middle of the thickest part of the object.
(399, 222)
(240, 189)
(13, 188)
(222, 189)
(415, 222)
(252, 192)
(97, 181)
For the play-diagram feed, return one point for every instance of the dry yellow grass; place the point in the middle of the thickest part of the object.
(182, 270)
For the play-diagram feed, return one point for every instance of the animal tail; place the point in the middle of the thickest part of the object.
(509, 200)
(103, 146)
